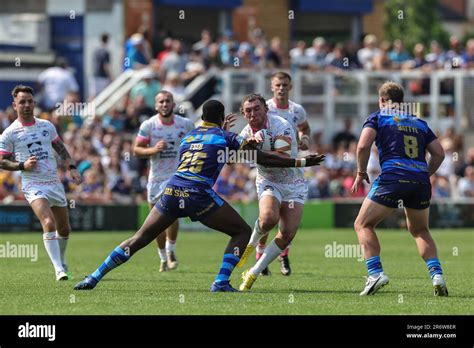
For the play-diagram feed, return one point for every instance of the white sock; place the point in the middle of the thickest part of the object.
(257, 234)
(52, 248)
(170, 246)
(260, 249)
(162, 253)
(271, 253)
(62, 247)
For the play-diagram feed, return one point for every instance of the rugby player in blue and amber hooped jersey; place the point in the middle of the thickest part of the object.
(402, 141)
(189, 193)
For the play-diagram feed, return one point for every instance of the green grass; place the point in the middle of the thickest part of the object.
(319, 285)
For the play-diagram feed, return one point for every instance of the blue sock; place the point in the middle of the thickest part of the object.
(374, 265)
(115, 259)
(227, 266)
(434, 267)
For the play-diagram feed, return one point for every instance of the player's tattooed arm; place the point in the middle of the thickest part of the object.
(63, 153)
(59, 147)
(8, 163)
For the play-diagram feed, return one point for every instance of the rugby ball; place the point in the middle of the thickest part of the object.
(265, 140)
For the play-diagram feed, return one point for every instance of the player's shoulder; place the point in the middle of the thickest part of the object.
(295, 106)
(14, 125)
(375, 116)
(422, 123)
(180, 120)
(43, 123)
(270, 103)
(277, 121)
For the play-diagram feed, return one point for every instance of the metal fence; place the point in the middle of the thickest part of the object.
(444, 98)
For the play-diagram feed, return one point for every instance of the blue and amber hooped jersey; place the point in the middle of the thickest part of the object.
(201, 153)
(401, 142)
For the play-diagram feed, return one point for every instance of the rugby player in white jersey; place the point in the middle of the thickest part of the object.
(159, 139)
(281, 191)
(295, 114)
(27, 145)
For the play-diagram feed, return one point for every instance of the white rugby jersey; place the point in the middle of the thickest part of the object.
(35, 139)
(295, 114)
(163, 164)
(277, 126)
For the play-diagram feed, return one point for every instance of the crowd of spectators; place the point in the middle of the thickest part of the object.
(102, 145)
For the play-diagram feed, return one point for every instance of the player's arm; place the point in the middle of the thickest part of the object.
(304, 132)
(142, 150)
(436, 152)
(364, 145)
(8, 163)
(281, 160)
(70, 164)
(271, 160)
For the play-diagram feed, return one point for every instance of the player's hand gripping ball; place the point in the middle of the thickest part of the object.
(264, 139)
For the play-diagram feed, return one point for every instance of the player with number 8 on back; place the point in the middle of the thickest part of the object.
(402, 141)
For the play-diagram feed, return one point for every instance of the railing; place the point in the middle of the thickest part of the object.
(447, 97)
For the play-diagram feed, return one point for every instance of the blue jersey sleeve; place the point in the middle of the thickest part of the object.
(234, 141)
(430, 136)
(372, 121)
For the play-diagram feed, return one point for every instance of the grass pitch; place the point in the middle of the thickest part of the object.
(319, 285)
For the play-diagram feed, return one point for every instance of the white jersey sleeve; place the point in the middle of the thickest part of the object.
(6, 143)
(295, 114)
(144, 132)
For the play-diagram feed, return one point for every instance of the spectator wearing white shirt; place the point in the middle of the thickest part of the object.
(466, 184)
(367, 54)
(55, 83)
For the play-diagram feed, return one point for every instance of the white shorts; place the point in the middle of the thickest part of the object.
(52, 191)
(154, 190)
(297, 192)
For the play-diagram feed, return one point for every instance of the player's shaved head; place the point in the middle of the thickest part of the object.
(168, 94)
(22, 88)
(252, 97)
(213, 111)
(391, 91)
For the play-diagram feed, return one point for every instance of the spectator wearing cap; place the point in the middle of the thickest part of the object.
(367, 54)
(136, 54)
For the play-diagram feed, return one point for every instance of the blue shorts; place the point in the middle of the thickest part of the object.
(179, 201)
(398, 193)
